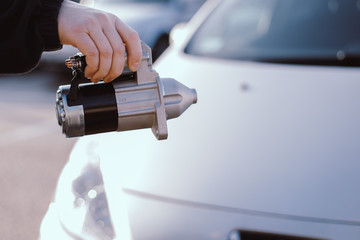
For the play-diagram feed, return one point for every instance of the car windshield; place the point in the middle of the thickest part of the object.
(292, 31)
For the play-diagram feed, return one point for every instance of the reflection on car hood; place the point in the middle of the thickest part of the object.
(273, 139)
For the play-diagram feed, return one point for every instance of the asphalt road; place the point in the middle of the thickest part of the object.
(33, 151)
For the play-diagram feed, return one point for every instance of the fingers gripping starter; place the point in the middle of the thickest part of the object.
(135, 100)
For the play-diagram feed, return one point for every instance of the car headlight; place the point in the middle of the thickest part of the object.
(81, 206)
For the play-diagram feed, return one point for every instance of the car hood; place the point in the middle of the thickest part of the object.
(271, 139)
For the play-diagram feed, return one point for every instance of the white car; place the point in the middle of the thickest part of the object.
(270, 151)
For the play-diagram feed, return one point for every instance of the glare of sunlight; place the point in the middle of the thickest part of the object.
(178, 33)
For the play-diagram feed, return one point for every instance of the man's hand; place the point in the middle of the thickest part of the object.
(102, 37)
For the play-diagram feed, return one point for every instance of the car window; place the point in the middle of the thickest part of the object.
(308, 31)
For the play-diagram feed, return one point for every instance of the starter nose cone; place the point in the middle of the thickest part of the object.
(177, 97)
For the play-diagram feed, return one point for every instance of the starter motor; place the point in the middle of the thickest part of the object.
(134, 100)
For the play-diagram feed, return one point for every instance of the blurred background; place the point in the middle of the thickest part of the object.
(32, 148)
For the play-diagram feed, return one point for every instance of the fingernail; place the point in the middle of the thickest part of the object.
(135, 66)
(107, 80)
(94, 80)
